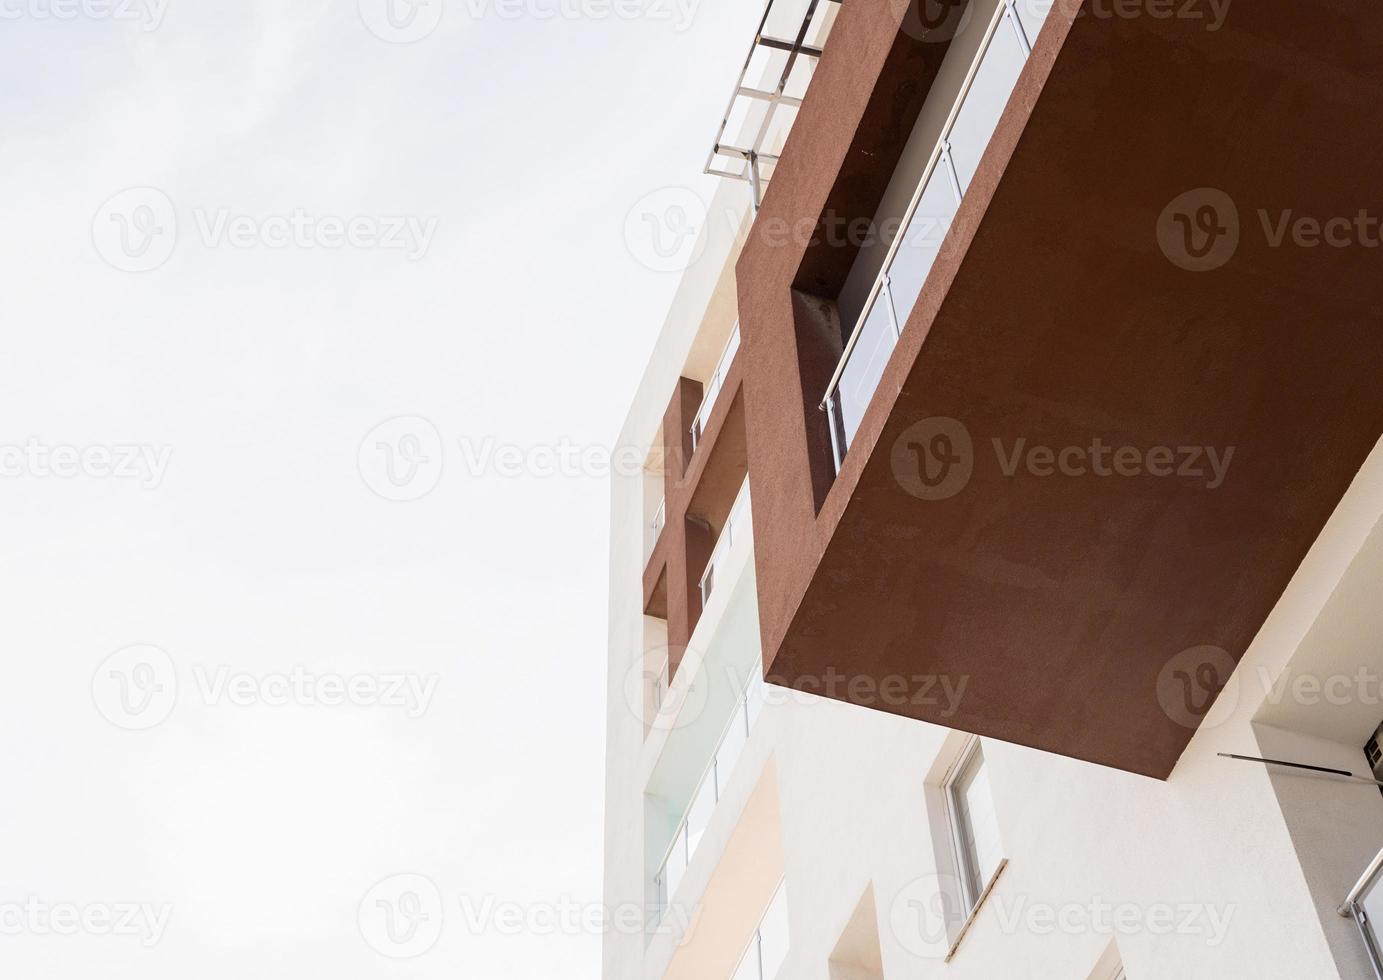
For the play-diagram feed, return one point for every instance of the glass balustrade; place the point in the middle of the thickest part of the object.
(951, 168)
(655, 528)
(1364, 905)
(693, 825)
(708, 401)
(736, 526)
(769, 947)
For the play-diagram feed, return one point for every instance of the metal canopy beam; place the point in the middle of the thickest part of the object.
(775, 98)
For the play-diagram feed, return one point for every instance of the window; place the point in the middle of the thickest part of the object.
(974, 824)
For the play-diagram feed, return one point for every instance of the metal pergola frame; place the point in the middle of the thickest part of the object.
(754, 154)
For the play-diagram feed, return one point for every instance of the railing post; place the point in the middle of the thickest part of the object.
(892, 311)
(951, 171)
(837, 456)
(1018, 31)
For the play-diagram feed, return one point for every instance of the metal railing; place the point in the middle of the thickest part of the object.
(973, 117)
(1362, 904)
(655, 528)
(709, 788)
(769, 947)
(708, 400)
(735, 526)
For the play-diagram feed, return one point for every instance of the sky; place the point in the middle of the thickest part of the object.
(319, 323)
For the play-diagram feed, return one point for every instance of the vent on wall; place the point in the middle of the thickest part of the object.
(1374, 753)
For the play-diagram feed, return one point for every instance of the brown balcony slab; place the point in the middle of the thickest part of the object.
(1131, 393)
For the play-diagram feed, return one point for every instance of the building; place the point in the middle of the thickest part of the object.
(1013, 459)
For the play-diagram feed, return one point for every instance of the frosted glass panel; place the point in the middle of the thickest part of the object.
(1033, 14)
(730, 750)
(865, 367)
(749, 965)
(676, 865)
(773, 933)
(921, 239)
(700, 813)
(985, 101)
(1372, 901)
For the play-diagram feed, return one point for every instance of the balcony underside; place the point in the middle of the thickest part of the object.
(1054, 318)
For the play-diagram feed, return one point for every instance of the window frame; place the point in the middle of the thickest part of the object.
(971, 886)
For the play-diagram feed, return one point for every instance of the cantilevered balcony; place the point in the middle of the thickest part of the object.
(1102, 251)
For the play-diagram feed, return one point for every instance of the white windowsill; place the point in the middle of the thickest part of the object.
(970, 919)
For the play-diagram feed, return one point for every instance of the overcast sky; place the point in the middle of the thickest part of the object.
(304, 598)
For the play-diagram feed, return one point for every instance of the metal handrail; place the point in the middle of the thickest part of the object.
(756, 940)
(1005, 8)
(726, 541)
(713, 387)
(1346, 908)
